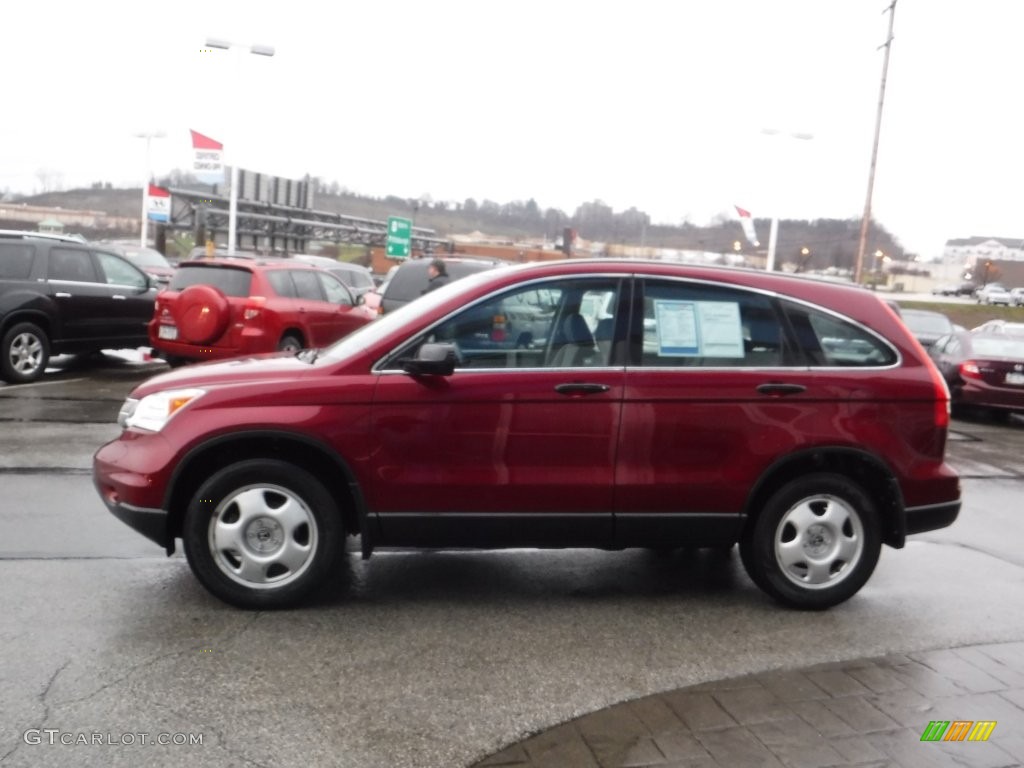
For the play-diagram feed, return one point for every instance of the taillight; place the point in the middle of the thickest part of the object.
(941, 395)
(970, 370)
(253, 307)
(498, 328)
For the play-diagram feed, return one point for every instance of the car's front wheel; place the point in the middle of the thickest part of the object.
(25, 353)
(262, 534)
(815, 543)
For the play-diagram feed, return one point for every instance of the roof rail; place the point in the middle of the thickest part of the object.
(45, 235)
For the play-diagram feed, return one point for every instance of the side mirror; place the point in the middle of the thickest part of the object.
(432, 360)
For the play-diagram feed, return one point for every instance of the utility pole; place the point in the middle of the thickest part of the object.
(866, 221)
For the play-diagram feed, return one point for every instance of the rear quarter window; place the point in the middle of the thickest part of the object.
(230, 280)
(830, 341)
(15, 261)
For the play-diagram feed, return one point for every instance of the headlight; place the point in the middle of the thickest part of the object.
(126, 412)
(154, 411)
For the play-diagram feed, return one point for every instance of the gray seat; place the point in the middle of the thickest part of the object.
(577, 344)
(603, 339)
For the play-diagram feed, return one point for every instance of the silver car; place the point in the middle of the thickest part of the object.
(993, 293)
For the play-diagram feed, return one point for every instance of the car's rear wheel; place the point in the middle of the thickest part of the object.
(262, 534)
(815, 543)
(26, 351)
(290, 343)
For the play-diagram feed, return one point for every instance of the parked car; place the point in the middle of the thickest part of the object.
(356, 277)
(984, 369)
(59, 295)
(149, 260)
(1000, 326)
(993, 293)
(955, 289)
(218, 308)
(410, 279)
(694, 406)
(1017, 297)
(927, 326)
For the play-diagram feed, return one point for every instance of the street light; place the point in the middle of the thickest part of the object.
(144, 229)
(773, 233)
(258, 50)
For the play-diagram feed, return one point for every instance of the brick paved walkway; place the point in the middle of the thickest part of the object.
(870, 712)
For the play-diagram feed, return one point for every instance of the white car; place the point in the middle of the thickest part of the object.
(993, 293)
(1017, 297)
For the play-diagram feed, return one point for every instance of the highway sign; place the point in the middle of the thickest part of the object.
(399, 242)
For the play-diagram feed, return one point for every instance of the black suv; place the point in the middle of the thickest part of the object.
(59, 295)
(410, 280)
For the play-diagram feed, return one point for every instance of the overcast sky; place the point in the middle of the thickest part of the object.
(655, 104)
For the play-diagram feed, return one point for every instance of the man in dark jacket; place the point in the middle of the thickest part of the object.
(438, 275)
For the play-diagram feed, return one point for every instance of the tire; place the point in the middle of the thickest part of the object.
(815, 543)
(25, 352)
(290, 343)
(262, 534)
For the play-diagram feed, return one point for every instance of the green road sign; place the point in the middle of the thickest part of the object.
(399, 244)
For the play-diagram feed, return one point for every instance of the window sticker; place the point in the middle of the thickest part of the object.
(698, 328)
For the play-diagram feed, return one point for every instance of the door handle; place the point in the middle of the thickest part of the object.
(780, 390)
(581, 389)
(118, 297)
(62, 295)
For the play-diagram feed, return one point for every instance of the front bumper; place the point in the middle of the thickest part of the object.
(151, 523)
(129, 474)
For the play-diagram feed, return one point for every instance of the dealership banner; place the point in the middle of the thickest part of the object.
(208, 160)
(158, 204)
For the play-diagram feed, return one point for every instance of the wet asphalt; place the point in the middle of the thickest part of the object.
(421, 659)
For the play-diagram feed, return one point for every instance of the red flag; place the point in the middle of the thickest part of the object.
(204, 142)
(747, 222)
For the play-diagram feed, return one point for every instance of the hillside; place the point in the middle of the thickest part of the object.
(812, 244)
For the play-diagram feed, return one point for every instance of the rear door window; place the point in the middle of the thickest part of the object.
(688, 324)
(281, 281)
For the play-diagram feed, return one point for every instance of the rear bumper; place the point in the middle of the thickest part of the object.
(931, 517)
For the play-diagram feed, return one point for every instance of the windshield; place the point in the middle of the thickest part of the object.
(147, 258)
(926, 322)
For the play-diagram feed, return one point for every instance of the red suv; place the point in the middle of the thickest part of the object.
(579, 403)
(221, 308)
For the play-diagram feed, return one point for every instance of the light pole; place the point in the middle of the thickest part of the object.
(865, 221)
(773, 233)
(258, 50)
(144, 229)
